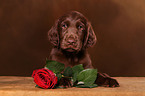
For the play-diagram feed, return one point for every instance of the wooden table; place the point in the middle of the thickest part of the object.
(24, 86)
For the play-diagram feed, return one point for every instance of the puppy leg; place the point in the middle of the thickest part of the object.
(105, 80)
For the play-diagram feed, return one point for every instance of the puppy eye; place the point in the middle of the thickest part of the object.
(80, 27)
(64, 26)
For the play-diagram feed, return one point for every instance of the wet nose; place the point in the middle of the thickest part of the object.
(71, 39)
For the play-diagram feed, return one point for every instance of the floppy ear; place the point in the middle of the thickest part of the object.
(90, 37)
(53, 34)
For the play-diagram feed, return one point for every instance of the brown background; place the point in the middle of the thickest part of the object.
(118, 24)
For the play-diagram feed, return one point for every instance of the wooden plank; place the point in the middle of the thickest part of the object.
(24, 86)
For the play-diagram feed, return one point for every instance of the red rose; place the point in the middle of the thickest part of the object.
(44, 78)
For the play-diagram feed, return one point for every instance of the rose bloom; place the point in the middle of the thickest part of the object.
(44, 78)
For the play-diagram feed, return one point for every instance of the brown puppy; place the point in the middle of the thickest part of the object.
(71, 35)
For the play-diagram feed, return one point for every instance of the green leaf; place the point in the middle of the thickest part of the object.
(68, 72)
(85, 86)
(59, 76)
(75, 77)
(55, 66)
(76, 70)
(38, 86)
(88, 76)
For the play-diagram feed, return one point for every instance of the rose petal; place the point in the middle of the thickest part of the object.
(40, 82)
(33, 74)
(44, 78)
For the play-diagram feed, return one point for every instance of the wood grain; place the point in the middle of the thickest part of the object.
(24, 86)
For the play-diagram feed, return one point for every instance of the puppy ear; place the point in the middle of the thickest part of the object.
(53, 34)
(90, 37)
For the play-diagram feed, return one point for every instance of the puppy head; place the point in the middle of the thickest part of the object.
(72, 32)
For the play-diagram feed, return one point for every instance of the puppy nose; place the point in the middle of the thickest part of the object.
(71, 39)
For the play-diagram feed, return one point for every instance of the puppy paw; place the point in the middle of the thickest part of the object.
(110, 82)
(105, 80)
